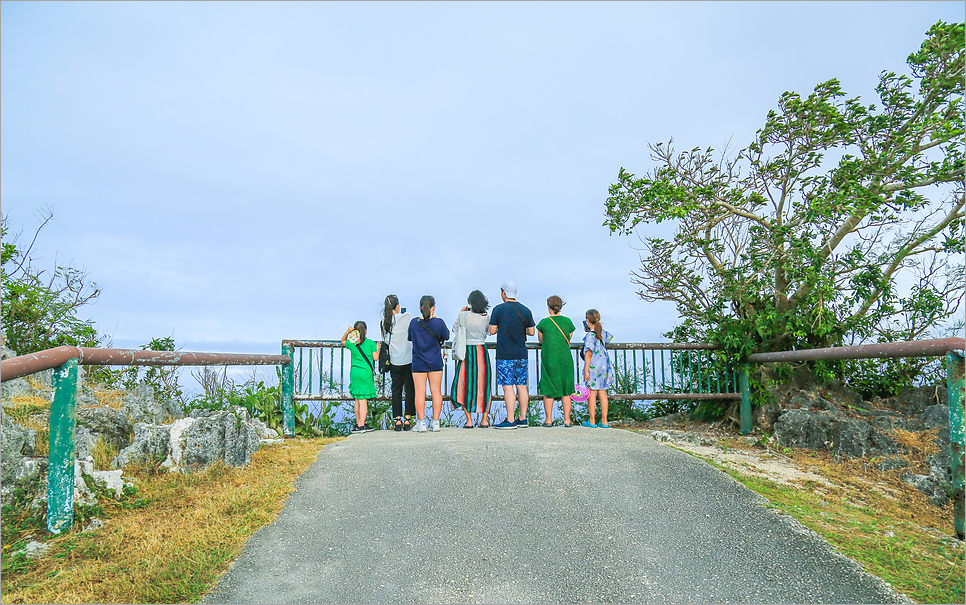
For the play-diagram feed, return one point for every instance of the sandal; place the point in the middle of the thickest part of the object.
(406, 425)
(467, 426)
(398, 426)
(547, 424)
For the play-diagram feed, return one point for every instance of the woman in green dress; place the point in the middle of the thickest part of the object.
(556, 363)
(365, 355)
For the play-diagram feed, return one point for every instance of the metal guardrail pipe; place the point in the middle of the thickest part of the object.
(918, 348)
(23, 365)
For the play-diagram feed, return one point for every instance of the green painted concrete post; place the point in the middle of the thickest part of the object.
(745, 399)
(288, 389)
(957, 435)
(60, 468)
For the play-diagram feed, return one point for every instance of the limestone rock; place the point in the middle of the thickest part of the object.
(915, 401)
(17, 387)
(930, 486)
(141, 406)
(106, 423)
(225, 435)
(804, 429)
(935, 416)
(151, 442)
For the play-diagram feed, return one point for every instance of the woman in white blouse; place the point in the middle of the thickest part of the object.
(473, 375)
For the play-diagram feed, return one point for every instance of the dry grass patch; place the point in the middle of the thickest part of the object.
(171, 541)
(874, 517)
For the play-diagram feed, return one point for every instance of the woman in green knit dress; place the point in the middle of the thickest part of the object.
(556, 363)
(365, 355)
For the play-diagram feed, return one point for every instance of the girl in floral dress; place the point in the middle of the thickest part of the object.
(598, 369)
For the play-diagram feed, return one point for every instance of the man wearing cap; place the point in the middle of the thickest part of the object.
(512, 323)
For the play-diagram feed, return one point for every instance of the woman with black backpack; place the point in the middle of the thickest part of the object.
(428, 333)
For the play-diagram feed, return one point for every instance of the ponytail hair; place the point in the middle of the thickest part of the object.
(361, 326)
(391, 302)
(426, 304)
(555, 303)
(593, 316)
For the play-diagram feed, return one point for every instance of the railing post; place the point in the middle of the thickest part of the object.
(955, 385)
(745, 400)
(60, 467)
(288, 389)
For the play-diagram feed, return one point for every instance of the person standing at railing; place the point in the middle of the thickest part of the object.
(365, 354)
(472, 376)
(556, 364)
(428, 333)
(598, 369)
(400, 361)
(512, 323)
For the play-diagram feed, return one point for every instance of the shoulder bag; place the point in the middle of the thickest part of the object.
(384, 362)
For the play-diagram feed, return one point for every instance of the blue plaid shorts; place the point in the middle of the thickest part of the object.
(511, 372)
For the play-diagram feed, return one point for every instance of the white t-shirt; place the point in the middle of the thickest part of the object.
(400, 347)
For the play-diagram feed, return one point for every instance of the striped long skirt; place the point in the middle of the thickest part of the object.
(471, 384)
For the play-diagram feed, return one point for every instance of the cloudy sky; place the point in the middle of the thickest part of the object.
(235, 174)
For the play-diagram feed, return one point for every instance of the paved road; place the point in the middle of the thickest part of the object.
(532, 515)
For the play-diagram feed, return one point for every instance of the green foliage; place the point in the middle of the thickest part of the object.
(40, 312)
(162, 379)
(799, 240)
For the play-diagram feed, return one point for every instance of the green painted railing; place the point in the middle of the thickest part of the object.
(645, 371)
(63, 409)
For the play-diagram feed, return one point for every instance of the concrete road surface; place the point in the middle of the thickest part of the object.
(535, 515)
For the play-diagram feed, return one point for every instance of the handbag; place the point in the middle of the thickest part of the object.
(459, 340)
(385, 363)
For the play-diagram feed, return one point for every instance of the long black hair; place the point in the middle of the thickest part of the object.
(361, 326)
(478, 302)
(390, 304)
(426, 304)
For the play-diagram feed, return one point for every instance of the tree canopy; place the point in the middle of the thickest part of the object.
(839, 223)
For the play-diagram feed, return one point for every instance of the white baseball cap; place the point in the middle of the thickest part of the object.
(510, 288)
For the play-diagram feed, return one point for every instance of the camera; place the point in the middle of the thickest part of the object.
(586, 326)
(403, 310)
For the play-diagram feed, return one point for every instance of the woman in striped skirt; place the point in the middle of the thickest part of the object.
(473, 375)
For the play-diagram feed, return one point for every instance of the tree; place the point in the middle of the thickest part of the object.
(40, 312)
(839, 223)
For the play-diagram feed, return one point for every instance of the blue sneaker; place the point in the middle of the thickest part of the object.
(505, 425)
(521, 423)
(589, 425)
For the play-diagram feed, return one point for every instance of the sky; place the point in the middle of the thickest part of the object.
(235, 174)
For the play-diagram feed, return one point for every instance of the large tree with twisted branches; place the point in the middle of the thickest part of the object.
(840, 223)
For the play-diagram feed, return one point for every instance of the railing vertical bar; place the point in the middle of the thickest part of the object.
(332, 370)
(321, 377)
(745, 401)
(673, 370)
(719, 381)
(310, 371)
(60, 457)
(653, 370)
(626, 376)
(342, 371)
(957, 436)
(299, 372)
(663, 380)
(288, 390)
(634, 359)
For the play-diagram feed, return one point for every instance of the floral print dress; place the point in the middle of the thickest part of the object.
(601, 369)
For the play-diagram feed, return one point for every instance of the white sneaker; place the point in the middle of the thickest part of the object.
(434, 425)
(420, 426)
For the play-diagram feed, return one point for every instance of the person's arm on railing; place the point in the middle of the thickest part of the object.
(345, 336)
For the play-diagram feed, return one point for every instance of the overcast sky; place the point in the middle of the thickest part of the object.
(236, 174)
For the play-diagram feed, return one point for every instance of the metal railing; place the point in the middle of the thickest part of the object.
(63, 409)
(645, 371)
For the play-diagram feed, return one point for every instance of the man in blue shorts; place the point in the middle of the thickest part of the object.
(512, 323)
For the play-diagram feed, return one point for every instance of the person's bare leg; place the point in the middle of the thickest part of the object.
(510, 397)
(419, 382)
(592, 407)
(565, 402)
(523, 394)
(603, 407)
(547, 409)
(435, 387)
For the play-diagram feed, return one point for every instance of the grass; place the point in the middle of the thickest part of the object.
(875, 518)
(167, 543)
